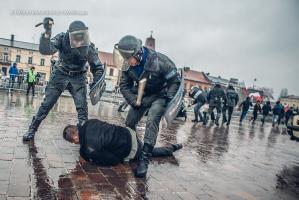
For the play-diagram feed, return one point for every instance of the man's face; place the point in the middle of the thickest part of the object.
(72, 135)
(132, 61)
(77, 43)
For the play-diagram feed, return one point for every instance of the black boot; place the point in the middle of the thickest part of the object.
(144, 161)
(177, 147)
(205, 120)
(217, 120)
(224, 120)
(32, 130)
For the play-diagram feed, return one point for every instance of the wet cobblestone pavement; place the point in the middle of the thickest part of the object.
(239, 162)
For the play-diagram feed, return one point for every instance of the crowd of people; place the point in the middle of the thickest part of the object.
(19, 77)
(225, 100)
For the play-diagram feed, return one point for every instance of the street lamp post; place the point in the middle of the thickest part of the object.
(254, 80)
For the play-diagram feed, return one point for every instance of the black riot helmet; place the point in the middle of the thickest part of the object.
(78, 34)
(231, 87)
(128, 46)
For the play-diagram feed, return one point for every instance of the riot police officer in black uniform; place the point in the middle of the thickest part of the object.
(161, 86)
(200, 98)
(215, 98)
(232, 100)
(69, 72)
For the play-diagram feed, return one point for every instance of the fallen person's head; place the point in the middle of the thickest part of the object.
(71, 134)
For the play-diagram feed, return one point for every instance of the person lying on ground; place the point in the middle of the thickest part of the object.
(107, 144)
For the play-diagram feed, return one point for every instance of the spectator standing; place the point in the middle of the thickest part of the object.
(13, 72)
(31, 80)
(20, 78)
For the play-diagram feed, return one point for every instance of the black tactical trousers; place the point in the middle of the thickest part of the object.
(218, 108)
(60, 81)
(197, 112)
(155, 113)
(157, 151)
(230, 110)
(32, 86)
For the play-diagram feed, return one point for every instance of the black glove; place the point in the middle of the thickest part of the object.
(168, 99)
(91, 85)
(48, 23)
(96, 77)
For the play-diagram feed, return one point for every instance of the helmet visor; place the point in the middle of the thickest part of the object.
(119, 60)
(126, 54)
(79, 38)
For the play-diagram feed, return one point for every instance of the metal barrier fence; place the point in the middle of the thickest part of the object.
(8, 85)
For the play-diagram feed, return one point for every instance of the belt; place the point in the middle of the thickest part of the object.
(71, 73)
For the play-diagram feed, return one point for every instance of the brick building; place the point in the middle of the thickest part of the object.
(196, 78)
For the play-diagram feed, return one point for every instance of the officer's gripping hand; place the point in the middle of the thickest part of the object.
(134, 104)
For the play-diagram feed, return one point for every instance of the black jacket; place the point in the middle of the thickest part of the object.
(216, 96)
(202, 97)
(246, 105)
(72, 59)
(266, 109)
(103, 143)
(162, 78)
(232, 98)
(289, 113)
(257, 108)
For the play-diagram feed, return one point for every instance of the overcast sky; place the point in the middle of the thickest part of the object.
(244, 39)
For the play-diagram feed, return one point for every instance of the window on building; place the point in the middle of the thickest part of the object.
(18, 58)
(5, 49)
(18, 50)
(42, 62)
(31, 52)
(5, 57)
(30, 60)
(111, 72)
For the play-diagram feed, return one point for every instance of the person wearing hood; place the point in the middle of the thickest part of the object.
(13, 73)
